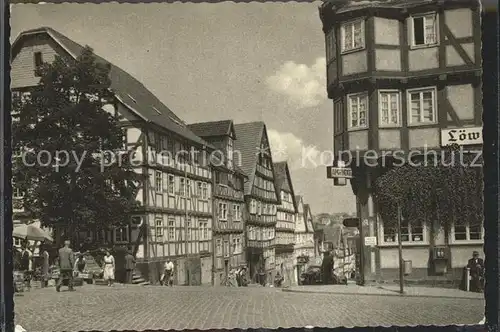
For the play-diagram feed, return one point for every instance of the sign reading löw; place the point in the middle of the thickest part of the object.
(462, 136)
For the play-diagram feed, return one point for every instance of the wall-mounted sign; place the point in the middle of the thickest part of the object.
(370, 241)
(338, 172)
(462, 136)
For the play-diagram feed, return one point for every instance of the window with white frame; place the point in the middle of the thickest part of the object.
(188, 228)
(330, 45)
(424, 30)
(203, 230)
(467, 232)
(236, 212)
(159, 229)
(218, 247)
(204, 194)
(158, 182)
(121, 234)
(226, 249)
(198, 188)
(230, 153)
(171, 184)
(389, 108)
(188, 188)
(222, 211)
(358, 110)
(411, 232)
(171, 230)
(17, 192)
(237, 248)
(353, 35)
(182, 187)
(422, 105)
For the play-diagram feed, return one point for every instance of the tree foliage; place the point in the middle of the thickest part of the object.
(446, 190)
(65, 113)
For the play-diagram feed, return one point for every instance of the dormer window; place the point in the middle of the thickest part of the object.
(37, 61)
(230, 153)
(353, 36)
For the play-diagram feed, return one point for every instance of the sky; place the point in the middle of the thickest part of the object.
(206, 62)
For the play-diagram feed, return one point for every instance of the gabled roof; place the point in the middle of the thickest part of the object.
(213, 128)
(128, 90)
(298, 198)
(282, 178)
(307, 213)
(248, 145)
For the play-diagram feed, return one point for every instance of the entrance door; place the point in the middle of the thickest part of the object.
(226, 268)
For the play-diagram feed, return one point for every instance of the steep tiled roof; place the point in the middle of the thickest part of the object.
(127, 89)
(212, 128)
(283, 180)
(248, 142)
(297, 200)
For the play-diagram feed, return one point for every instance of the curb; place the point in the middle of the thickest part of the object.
(383, 294)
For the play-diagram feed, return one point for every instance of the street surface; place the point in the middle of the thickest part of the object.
(152, 307)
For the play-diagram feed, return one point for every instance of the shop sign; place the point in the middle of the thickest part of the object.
(462, 136)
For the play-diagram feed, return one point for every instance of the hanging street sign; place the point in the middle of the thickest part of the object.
(338, 172)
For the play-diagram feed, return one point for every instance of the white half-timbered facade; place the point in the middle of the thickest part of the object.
(228, 197)
(174, 214)
(285, 225)
(261, 198)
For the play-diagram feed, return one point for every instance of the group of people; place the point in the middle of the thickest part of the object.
(69, 264)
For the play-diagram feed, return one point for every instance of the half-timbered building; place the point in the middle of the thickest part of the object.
(285, 225)
(174, 215)
(261, 198)
(228, 197)
(404, 75)
(304, 238)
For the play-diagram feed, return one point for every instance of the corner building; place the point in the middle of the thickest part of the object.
(403, 75)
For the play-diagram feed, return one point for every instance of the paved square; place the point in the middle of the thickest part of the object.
(153, 307)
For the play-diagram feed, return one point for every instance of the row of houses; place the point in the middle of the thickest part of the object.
(214, 199)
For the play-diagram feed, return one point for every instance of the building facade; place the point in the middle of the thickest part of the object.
(261, 199)
(228, 197)
(174, 215)
(304, 252)
(285, 225)
(404, 77)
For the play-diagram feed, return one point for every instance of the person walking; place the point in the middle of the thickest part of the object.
(44, 254)
(109, 268)
(27, 264)
(476, 266)
(129, 266)
(66, 264)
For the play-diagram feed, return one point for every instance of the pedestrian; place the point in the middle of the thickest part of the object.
(44, 254)
(109, 268)
(27, 264)
(278, 280)
(168, 273)
(80, 262)
(476, 268)
(66, 264)
(129, 266)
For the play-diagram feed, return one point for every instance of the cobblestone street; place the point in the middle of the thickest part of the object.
(138, 308)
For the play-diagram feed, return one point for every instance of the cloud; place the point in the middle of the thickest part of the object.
(288, 147)
(303, 85)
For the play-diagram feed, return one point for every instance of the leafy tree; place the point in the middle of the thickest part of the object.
(65, 113)
(446, 191)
